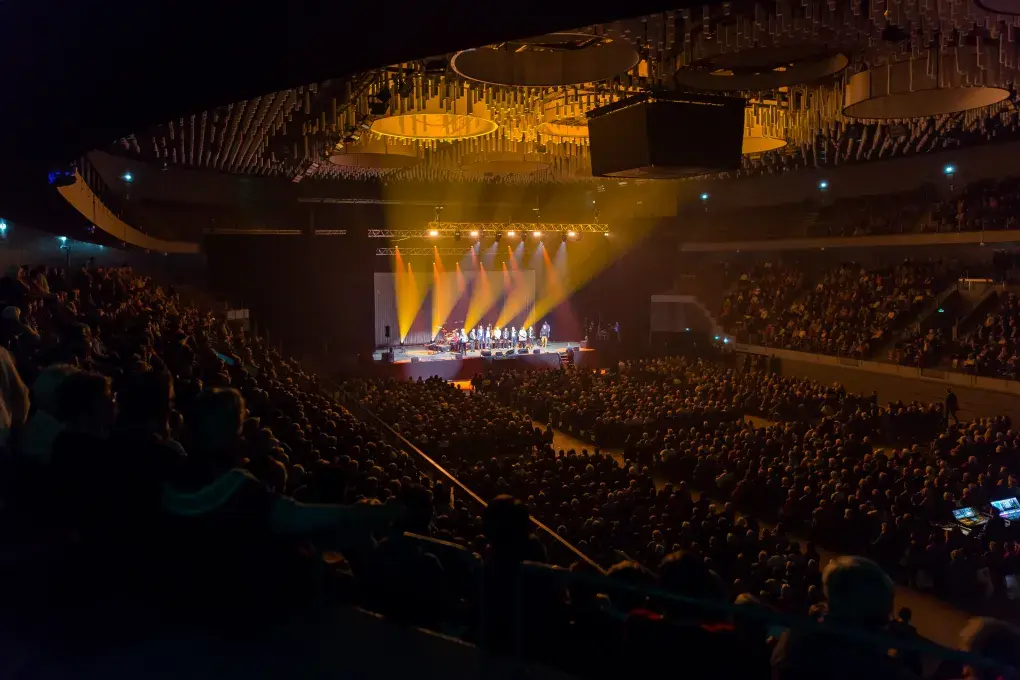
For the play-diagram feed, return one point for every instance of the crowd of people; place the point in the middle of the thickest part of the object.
(181, 462)
(171, 461)
(991, 349)
(696, 478)
(760, 296)
(985, 205)
(849, 311)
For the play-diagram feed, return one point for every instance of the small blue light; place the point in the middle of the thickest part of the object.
(949, 169)
(63, 239)
(717, 337)
(687, 330)
(941, 311)
(3, 226)
(704, 195)
(127, 177)
(823, 185)
(726, 341)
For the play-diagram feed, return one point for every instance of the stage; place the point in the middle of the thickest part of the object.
(415, 361)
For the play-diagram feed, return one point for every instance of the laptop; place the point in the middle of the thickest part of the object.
(969, 517)
(1009, 508)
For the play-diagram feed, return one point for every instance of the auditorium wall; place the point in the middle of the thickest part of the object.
(312, 295)
(973, 402)
(861, 179)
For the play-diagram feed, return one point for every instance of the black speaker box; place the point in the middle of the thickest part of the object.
(486, 352)
(522, 351)
(537, 351)
(460, 355)
(499, 353)
(415, 360)
(662, 137)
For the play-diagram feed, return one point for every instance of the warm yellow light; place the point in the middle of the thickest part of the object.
(474, 234)
(605, 233)
(511, 234)
(536, 234)
(571, 234)
(438, 126)
(433, 232)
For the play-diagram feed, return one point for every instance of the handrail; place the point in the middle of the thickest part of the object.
(446, 473)
(764, 614)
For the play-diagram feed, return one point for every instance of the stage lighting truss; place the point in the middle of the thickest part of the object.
(489, 229)
(422, 252)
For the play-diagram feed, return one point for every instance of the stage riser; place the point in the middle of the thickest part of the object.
(463, 369)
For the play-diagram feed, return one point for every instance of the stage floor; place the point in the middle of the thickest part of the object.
(407, 352)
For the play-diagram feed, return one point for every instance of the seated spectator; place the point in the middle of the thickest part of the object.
(997, 641)
(14, 401)
(860, 597)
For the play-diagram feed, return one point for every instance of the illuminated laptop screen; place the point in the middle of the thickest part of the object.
(969, 517)
(1008, 508)
(964, 513)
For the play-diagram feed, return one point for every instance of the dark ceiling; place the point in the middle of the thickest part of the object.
(75, 76)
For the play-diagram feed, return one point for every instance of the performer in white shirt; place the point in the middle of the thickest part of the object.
(512, 338)
(463, 339)
(522, 337)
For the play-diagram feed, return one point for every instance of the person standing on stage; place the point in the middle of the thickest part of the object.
(522, 337)
(495, 337)
(463, 339)
(488, 336)
(544, 333)
(531, 336)
(513, 337)
(472, 337)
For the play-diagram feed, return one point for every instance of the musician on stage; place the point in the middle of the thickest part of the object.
(544, 333)
(512, 340)
(472, 337)
(496, 333)
(463, 339)
(531, 336)
(522, 337)
(488, 336)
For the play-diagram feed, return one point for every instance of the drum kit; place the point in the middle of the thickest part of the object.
(447, 340)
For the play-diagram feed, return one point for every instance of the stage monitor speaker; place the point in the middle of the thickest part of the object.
(415, 360)
(486, 352)
(387, 357)
(460, 355)
(387, 328)
(522, 351)
(537, 351)
(656, 137)
(499, 353)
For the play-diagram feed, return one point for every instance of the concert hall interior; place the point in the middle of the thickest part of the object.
(363, 340)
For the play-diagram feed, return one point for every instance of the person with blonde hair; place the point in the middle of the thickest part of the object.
(996, 641)
(14, 401)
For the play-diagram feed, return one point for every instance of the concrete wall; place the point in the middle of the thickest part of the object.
(973, 402)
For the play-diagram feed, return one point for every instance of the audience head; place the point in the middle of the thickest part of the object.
(996, 641)
(858, 591)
